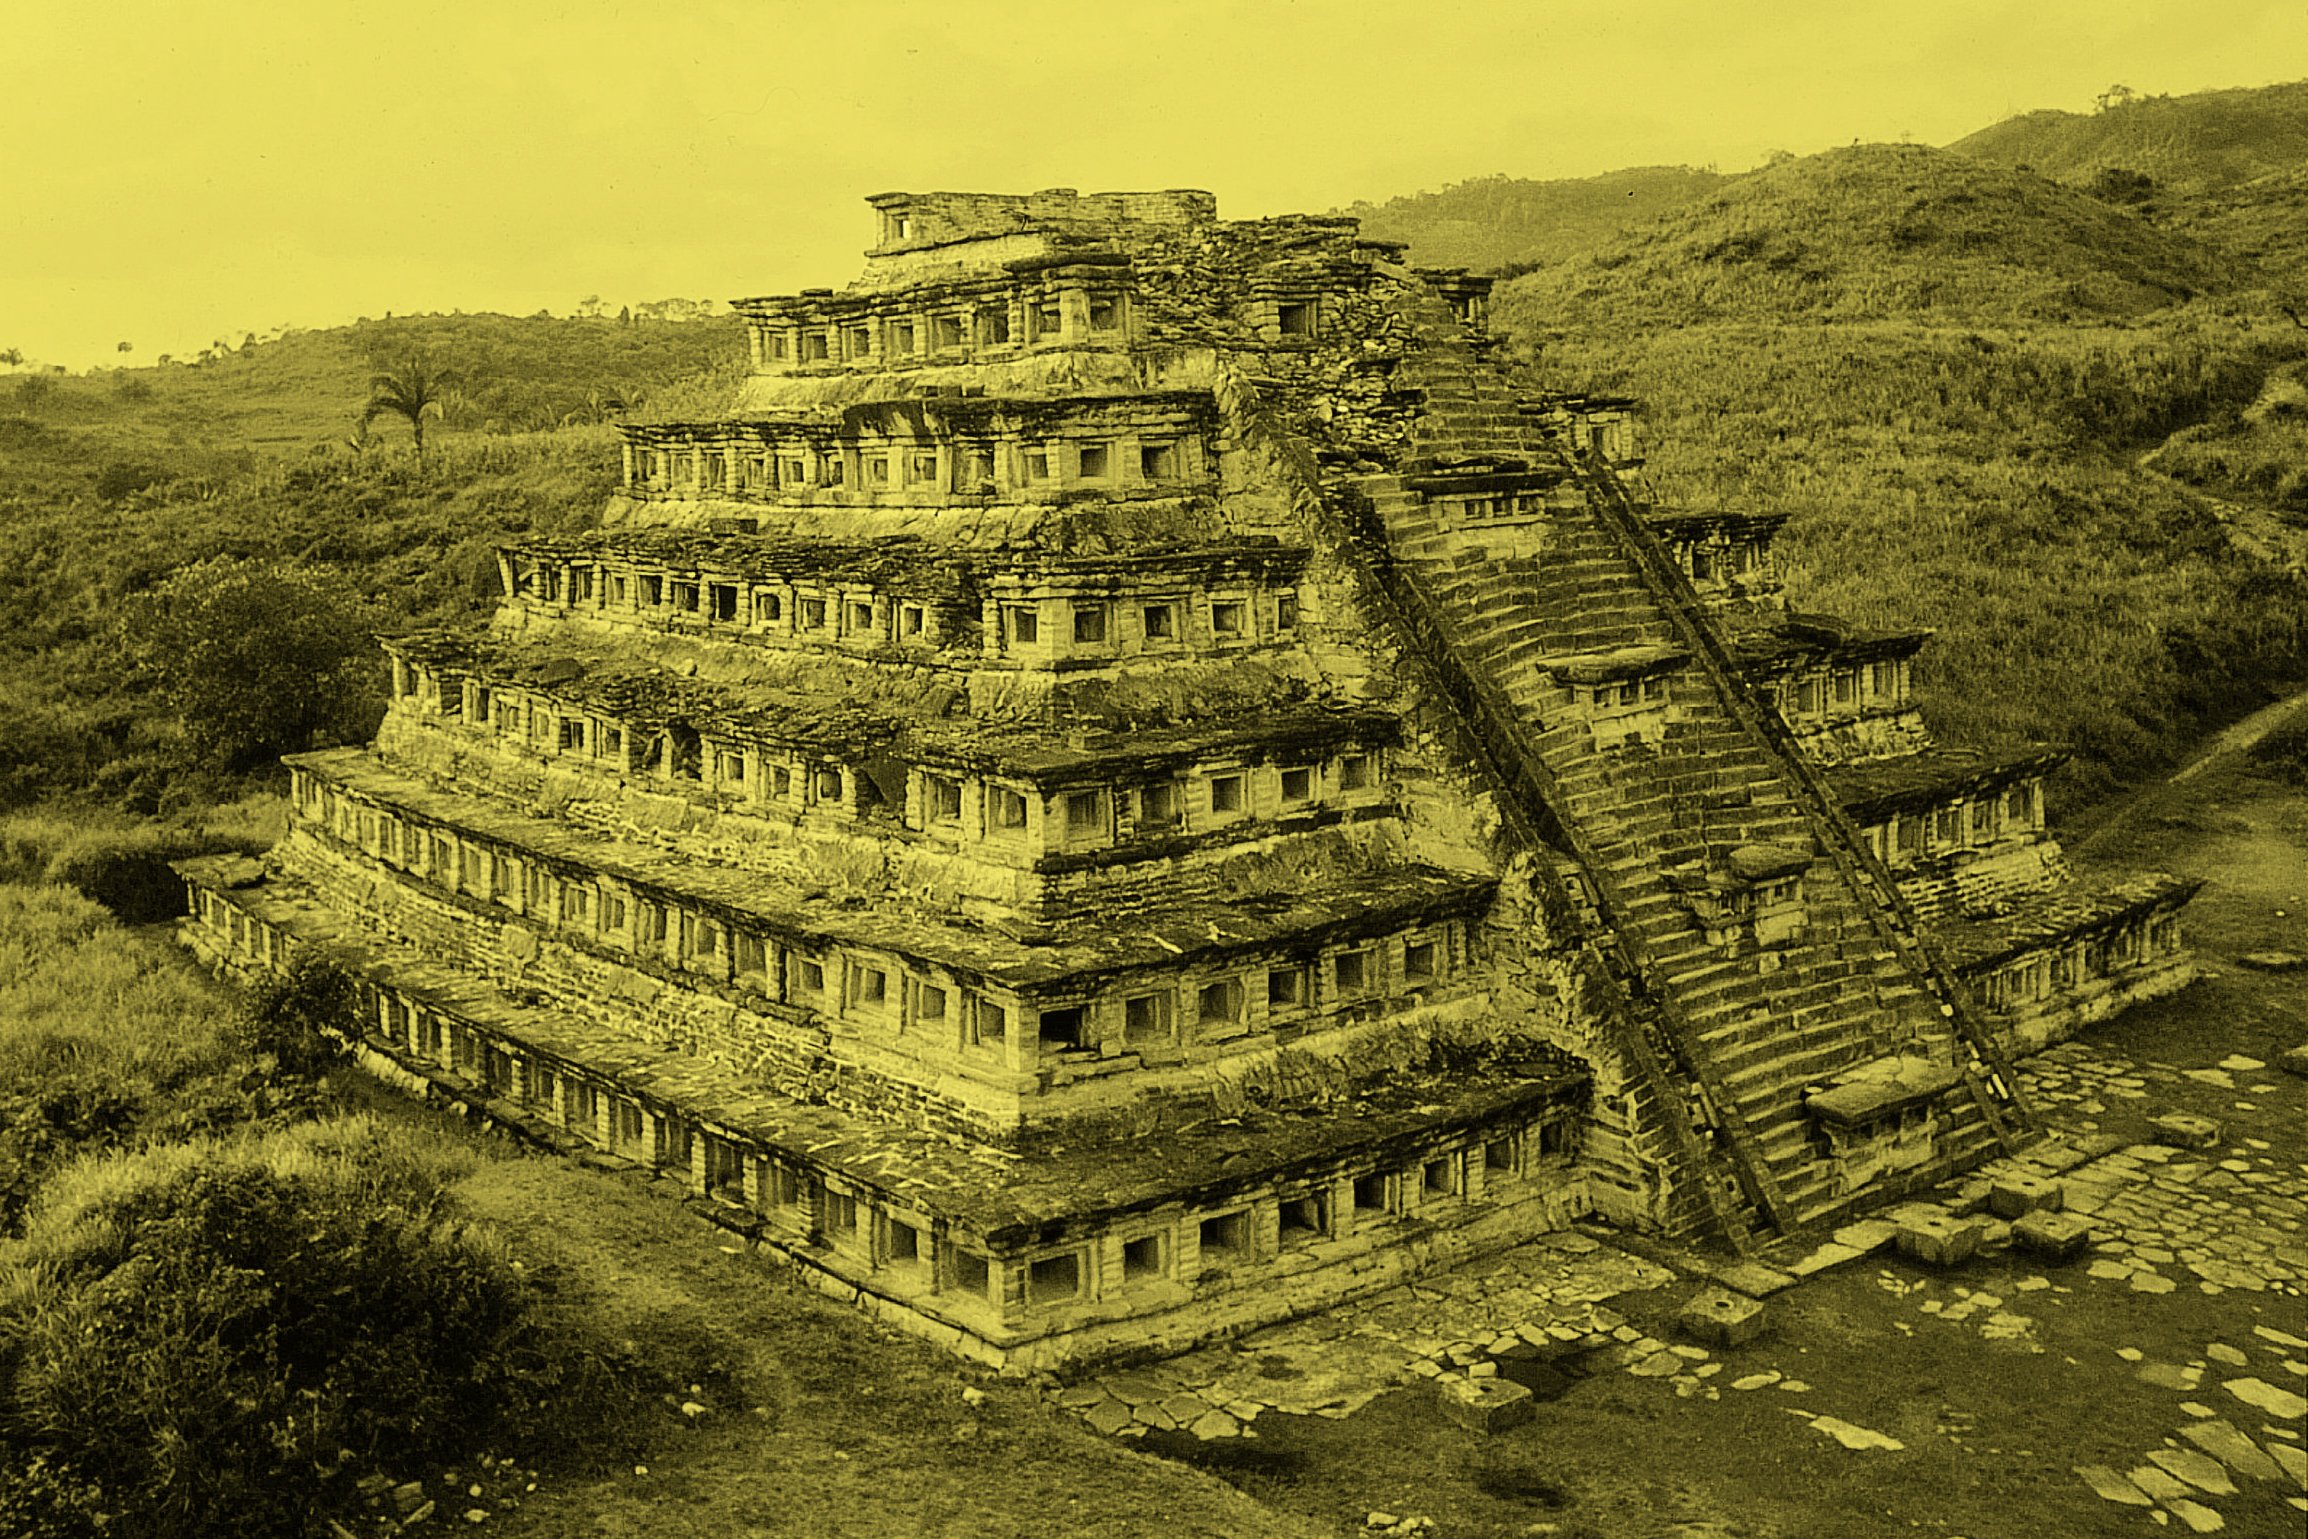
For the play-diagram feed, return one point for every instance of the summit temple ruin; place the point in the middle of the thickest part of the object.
(1139, 783)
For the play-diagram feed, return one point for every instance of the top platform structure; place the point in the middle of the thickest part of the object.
(922, 221)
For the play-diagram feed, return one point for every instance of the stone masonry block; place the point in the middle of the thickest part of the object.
(2187, 1130)
(2053, 1236)
(1487, 1405)
(2012, 1196)
(1722, 1319)
(1948, 1241)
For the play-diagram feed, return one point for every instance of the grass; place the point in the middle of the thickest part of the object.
(81, 996)
(826, 1425)
(2204, 141)
(1877, 232)
(1507, 222)
(2259, 455)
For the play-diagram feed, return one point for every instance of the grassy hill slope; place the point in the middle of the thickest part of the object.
(1501, 221)
(302, 394)
(117, 479)
(2264, 221)
(1946, 372)
(1876, 232)
(2200, 143)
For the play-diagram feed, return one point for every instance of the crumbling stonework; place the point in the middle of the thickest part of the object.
(1137, 784)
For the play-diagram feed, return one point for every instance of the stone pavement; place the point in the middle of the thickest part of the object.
(1545, 1296)
(2232, 1216)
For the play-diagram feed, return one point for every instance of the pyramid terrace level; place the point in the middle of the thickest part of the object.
(1138, 780)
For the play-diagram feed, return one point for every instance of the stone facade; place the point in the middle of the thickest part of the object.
(1137, 784)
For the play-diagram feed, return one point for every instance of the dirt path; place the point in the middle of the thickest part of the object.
(2253, 531)
(2216, 752)
(2243, 735)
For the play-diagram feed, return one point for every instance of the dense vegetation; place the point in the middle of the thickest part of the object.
(119, 481)
(223, 1301)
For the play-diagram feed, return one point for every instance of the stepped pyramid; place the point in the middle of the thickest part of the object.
(1137, 783)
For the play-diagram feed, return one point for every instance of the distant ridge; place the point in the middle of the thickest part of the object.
(2201, 143)
(1875, 232)
(1498, 221)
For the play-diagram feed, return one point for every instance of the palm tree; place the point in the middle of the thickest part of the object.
(416, 388)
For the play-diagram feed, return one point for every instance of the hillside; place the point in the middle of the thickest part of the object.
(303, 392)
(1505, 222)
(117, 479)
(1870, 233)
(2205, 142)
(1946, 372)
(2264, 221)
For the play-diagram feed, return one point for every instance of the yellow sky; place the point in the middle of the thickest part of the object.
(173, 173)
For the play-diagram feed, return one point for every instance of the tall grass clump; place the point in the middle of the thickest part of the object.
(123, 861)
(109, 1040)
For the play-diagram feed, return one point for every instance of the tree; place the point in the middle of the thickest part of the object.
(415, 388)
(255, 659)
(2116, 96)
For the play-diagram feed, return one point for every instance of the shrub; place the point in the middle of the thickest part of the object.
(255, 658)
(110, 1041)
(2283, 755)
(300, 1018)
(216, 1338)
(122, 479)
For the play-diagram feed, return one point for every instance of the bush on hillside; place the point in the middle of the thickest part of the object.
(220, 1337)
(256, 659)
(2283, 756)
(301, 1017)
(120, 862)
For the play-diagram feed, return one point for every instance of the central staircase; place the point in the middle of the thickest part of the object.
(1859, 983)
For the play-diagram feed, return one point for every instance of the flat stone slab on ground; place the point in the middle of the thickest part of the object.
(1830, 1254)
(2198, 1469)
(1722, 1318)
(2109, 1486)
(1753, 1278)
(2274, 961)
(1487, 1405)
(2199, 1518)
(2264, 1396)
(1852, 1435)
(2053, 1236)
(1868, 1234)
(2219, 1438)
(2187, 1130)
